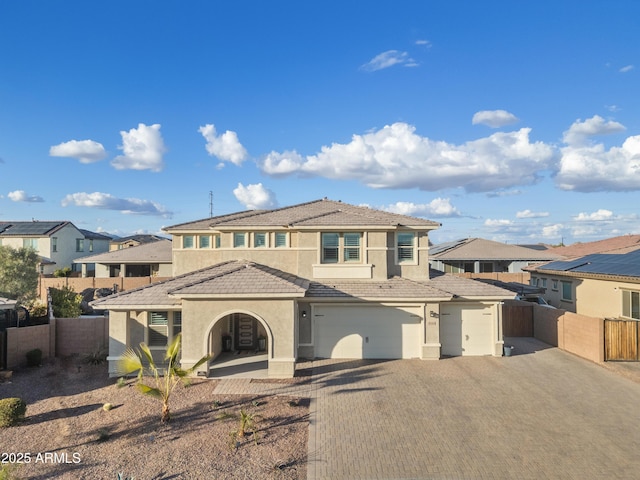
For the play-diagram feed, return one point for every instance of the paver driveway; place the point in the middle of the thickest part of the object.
(541, 413)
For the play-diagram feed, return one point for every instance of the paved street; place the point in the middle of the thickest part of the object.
(541, 413)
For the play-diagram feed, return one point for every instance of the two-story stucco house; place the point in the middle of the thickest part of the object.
(320, 279)
(57, 243)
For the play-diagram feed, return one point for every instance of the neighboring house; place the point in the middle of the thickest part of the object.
(621, 244)
(477, 255)
(57, 243)
(319, 279)
(603, 285)
(145, 260)
(133, 241)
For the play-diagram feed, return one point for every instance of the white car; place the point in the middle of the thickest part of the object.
(534, 299)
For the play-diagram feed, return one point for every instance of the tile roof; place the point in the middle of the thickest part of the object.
(94, 235)
(236, 277)
(247, 278)
(241, 278)
(155, 252)
(466, 287)
(395, 287)
(317, 213)
(140, 238)
(616, 245)
(481, 249)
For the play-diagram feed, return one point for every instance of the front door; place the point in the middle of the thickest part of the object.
(245, 332)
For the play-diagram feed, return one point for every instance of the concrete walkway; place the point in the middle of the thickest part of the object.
(540, 414)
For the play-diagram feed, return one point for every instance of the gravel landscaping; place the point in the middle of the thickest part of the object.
(67, 433)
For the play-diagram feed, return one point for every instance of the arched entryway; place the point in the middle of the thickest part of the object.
(239, 344)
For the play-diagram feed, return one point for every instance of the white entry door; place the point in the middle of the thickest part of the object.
(367, 331)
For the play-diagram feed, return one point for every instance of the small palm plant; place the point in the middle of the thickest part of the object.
(166, 376)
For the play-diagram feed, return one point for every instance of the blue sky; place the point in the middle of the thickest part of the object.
(512, 121)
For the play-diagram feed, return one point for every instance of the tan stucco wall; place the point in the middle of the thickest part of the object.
(303, 253)
(199, 316)
(591, 297)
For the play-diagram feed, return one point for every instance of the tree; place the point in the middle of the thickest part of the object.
(19, 274)
(65, 302)
(133, 361)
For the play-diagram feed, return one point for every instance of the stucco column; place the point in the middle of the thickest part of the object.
(431, 345)
(282, 358)
(118, 338)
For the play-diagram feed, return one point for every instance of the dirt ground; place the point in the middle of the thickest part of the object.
(68, 435)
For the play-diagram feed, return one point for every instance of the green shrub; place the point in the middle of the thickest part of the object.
(12, 410)
(34, 357)
(65, 302)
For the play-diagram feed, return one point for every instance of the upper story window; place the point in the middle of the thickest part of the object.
(30, 243)
(54, 244)
(188, 241)
(259, 240)
(347, 243)
(204, 241)
(216, 241)
(91, 245)
(631, 304)
(567, 293)
(79, 244)
(406, 248)
(239, 240)
(281, 240)
(554, 285)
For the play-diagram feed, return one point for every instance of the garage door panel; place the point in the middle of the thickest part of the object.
(466, 330)
(366, 332)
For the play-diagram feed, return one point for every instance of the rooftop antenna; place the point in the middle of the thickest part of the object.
(210, 203)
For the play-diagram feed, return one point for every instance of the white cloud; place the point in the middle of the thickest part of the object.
(106, 201)
(438, 207)
(626, 68)
(504, 193)
(87, 151)
(497, 222)
(494, 118)
(424, 43)
(143, 149)
(580, 131)
(530, 214)
(396, 157)
(255, 196)
(593, 168)
(553, 231)
(388, 59)
(22, 196)
(600, 215)
(224, 147)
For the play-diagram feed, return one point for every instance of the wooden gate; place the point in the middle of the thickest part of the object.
(517, 319)
(621, 340)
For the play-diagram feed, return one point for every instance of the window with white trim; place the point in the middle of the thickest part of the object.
(239, 240)
(188, 241)
(177, 323)
(158, 331)
(631, 304)
(204, 241)
(91, 245)
(54, 244)
(163, 327)
(330, 247)
(341, 247)
(259, 240)
(405, 247)
(281, 240)
(30, 243)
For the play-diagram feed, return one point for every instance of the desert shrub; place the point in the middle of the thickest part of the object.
(12, 410)
(34, 357)
(37, 309)
(62, 272)
(97, 357)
